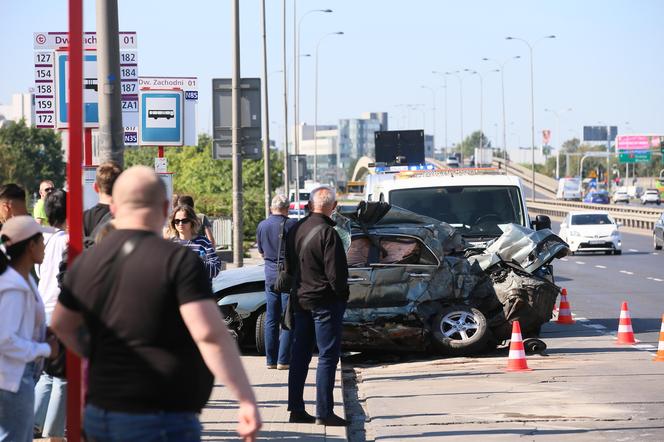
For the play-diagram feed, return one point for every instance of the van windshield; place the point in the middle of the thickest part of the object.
(476, 211)
(572, 185)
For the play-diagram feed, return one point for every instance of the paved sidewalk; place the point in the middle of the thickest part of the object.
(219, 417)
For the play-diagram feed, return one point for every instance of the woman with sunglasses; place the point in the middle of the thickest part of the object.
(23, 343)
(183, 225)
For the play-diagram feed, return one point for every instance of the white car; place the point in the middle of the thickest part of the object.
(620, 196)
(452, 162)
(591, 231)
(651, 197)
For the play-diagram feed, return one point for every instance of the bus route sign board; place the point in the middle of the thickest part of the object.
(51, 69)
(250, 119)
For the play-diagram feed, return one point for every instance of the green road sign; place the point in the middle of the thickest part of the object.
(634, 156)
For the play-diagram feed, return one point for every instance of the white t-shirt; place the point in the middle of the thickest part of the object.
(47, 271)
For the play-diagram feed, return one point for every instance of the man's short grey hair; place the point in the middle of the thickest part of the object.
(323, 196)
(280, 203)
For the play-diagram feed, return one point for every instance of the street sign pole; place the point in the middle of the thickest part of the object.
(266, 118)
(236, 134)
(111, 129)
(74, 197)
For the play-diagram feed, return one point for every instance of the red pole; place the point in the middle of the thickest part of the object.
(87, 146)
(160, 152)
(74, 196)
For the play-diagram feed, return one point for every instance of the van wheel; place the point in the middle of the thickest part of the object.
(260, 333)
(460, 330)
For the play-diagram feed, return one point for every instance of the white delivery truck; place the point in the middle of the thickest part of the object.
(569, 189)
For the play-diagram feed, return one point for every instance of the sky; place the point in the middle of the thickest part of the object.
(605, 63)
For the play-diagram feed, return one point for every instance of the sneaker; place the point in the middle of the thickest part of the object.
(332, 421)
(271, 366)
(282, 366)
(301, 417)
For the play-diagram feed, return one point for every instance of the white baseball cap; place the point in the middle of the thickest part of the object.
(20, 228)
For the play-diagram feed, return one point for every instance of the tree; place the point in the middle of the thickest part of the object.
(472, 142)
(29, 155)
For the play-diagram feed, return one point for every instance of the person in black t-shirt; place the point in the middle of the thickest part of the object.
(155, 333)
(105, 177)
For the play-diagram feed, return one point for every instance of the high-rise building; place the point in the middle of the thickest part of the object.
(21, 107)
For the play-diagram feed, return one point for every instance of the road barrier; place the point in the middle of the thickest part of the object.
(544, 184)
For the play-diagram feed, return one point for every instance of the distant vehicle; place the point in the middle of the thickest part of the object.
(452, 162)
(620, 196)
(658, 233)
(597, 197)
(569, 189)
(161, 113)
(591, 231)
(651, 197)
(300, 207)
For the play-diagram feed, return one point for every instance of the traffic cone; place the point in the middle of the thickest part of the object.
(625, 332)
(517, 358)
(660, 347)
(564, 311)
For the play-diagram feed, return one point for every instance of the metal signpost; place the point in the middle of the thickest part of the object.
(250, 118)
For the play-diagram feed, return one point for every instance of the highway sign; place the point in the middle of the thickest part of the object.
(250, 118)
(161, 118)
(599, 133)
(188, 89)
(634, 156)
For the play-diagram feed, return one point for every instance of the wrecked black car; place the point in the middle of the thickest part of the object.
(416, 285)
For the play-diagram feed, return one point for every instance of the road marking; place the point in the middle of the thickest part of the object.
(655, 253)
(657, 279)
(596, 326)
(645, 346)
(564, 259)
(633, 250)
(626, 272)
(600, 267)
(579, 262)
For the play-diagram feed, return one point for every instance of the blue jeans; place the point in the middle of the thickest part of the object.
(277, 344)
(113, 426)
(321, 326)
(50, 406)
(16, 409)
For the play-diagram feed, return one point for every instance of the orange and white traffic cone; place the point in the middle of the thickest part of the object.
(625, 332)
(564, 311)
(517, 357)
(555, 307)
(660, 347)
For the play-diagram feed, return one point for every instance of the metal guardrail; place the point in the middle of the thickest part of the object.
(634, 217)
(543, 183)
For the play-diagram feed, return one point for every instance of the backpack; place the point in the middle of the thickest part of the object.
(89, 241)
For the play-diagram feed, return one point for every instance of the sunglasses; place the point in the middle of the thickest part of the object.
(181, 221)
(49, 189)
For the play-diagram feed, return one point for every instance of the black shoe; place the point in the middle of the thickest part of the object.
(301, 417)
(332, 421)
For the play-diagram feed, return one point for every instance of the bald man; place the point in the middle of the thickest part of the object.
(315, 255)
(142, 310)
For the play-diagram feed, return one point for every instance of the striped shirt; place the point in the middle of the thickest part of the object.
(202, 247)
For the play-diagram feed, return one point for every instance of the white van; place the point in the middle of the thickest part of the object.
(569, 189)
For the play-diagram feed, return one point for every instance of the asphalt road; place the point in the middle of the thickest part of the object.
(597, 284)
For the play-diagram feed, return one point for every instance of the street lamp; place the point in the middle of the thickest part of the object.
(316, 105)
(502, 88)
(460, 78)
(558, 135)
(444, 75)
(481, 141)
(532, 99)
(433, 95)
(296, 111)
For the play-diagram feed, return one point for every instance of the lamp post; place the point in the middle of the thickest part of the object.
(502, 91)
(481, 140)
(558, 136)
(316, 105)
(433, 96)
(296, 110)
(532, 99)
(444, 75)
(460, 78)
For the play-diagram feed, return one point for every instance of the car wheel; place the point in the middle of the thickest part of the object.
(460, 330)
(617, 252)
(260, 333)
(655, 244)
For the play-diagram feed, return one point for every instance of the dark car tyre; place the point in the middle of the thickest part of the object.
(656, 244)
(460, 330)
(260, 333)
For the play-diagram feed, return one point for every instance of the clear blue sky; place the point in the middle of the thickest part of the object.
(606, 62)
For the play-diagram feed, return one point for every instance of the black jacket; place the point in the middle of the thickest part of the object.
(320, 268)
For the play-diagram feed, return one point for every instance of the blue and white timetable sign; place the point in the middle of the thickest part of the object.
(161, 118)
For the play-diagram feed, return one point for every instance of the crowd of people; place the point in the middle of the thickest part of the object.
(138, 308)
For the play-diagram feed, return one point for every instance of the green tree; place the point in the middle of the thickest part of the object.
(472, 142)
(29, 155)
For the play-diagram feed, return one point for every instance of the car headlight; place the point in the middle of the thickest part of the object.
(573, 233)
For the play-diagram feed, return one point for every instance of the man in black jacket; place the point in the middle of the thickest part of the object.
(315, 255)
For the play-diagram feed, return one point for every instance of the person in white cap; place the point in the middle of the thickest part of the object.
(23, 341)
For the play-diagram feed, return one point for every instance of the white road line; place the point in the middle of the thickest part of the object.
(655, 253)
(657, 279)
(565, 259)
(600, 267)
(645, 346)
(579, 262)
(650, 277)
(626, 272)
(633, 250)
(596, 326)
